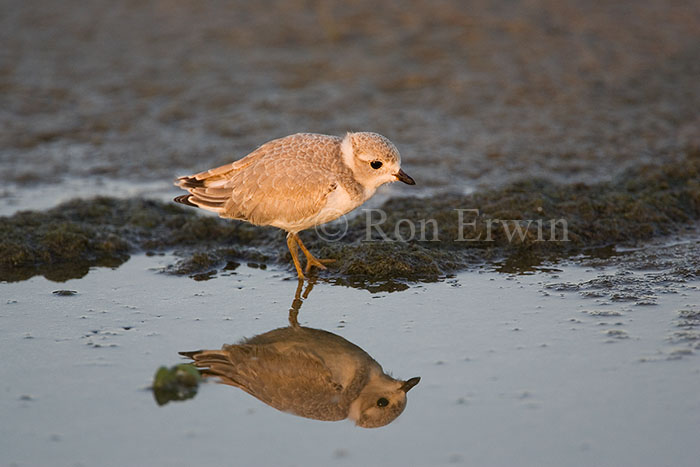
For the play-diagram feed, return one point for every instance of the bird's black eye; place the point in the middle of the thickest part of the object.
(375, 165)
(382, 402)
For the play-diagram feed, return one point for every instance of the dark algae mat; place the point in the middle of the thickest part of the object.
(406, 239)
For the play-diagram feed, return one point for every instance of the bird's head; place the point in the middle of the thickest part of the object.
(373, 159)
(380, 402)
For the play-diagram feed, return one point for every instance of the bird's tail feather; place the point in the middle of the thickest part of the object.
(214, 363)
(202, 194)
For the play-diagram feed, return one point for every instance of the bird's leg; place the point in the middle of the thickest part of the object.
(309, 287)
(299, 298)
(292, 245)
(296, 305)
(311, 260)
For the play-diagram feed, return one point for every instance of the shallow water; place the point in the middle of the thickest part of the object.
(561, 378)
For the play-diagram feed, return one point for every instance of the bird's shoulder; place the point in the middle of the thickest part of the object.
(307, 150)
(304, 156)
(299, 144)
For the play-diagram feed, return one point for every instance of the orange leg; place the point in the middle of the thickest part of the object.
(311, 260)
(292, 245)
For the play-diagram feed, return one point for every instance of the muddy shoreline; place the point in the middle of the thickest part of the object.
(477, 95)
(418, 239)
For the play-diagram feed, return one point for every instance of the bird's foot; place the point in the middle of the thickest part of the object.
(311, 261)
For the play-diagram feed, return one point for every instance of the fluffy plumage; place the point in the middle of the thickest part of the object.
(297, 182)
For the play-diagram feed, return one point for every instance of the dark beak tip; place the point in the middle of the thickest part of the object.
(409, 384)
(404, 177)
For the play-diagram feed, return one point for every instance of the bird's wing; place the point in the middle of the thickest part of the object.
(295, 381)
(285, 180)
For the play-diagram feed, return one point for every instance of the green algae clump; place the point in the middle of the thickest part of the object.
(177, 383)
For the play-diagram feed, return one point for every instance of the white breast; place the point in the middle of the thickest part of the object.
(339, 202)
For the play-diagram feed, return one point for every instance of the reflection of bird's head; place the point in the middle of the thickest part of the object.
(381, 401)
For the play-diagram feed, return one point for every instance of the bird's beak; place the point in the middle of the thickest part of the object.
(407, 385)
(403, 176)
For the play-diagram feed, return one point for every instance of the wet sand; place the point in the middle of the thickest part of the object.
(474, 94)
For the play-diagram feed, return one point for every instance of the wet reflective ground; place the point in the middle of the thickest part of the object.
(474, 93)
(528, 369)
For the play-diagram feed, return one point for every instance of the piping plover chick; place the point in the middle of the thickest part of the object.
(297, 182)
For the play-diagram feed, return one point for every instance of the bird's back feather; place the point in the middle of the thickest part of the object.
(285, 183)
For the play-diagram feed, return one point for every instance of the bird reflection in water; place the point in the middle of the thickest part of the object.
(308, 372)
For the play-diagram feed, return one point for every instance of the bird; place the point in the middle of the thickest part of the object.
(311, 373)
(297, 182)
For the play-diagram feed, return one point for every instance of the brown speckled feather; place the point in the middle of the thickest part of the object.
(284, 182)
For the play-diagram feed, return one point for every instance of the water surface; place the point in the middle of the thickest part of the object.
(515, 369)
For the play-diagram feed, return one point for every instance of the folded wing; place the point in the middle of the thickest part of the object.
(281, 183)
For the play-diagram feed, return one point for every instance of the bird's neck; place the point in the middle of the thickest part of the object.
(347, 154)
